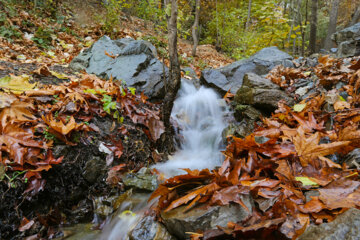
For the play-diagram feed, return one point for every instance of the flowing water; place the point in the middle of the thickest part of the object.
(199, 117)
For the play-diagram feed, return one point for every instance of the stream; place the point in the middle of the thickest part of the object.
(198, 115)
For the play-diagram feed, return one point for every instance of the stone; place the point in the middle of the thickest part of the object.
(150, 229)
(263, 99)
(352, 159)
(246, 111)
(260, 93)
(178, 221)
(127, 60)
(94, 168)
(345, 227)
(231, 76)
(348, 41)
(239, 129)
(143, 180)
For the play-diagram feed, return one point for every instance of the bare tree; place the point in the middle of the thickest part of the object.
(332, 23)
(195, 27)
(355, 16)
(313, 26)
(173, 82)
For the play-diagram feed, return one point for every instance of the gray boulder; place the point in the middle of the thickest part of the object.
(344, 227)
(143, 180)
(128, 60)
(352, 159)
(261, 93)
(150, 229)
(348, 41)
(178, 221)
(231, 76)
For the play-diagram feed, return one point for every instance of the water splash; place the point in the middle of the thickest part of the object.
(199, 115)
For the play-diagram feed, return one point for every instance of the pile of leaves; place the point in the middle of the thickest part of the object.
(285, 165)
(33, 118)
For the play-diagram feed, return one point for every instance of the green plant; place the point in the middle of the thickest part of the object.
(56, 99)
(49, 136)
(111, 19)
(14, 176)
(42, 37)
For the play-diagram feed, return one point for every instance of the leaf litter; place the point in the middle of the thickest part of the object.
(295, 160)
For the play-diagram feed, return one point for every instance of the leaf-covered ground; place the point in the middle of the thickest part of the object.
(291, 165)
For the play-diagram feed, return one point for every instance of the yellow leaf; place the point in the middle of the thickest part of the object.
(59, 75)
(306, 181)
(16, 84)
(293, 36)
(299, 107)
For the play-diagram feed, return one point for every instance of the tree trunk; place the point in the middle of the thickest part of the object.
(355, 16)
(195, 27)
(332, 24)
(303, 31)
(313, 26)
(173, 82)
(248, 17)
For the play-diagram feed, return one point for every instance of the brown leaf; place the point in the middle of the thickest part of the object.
(342, 193)
(156, 128)
(308, 148)
(25, 224)
(59, 126)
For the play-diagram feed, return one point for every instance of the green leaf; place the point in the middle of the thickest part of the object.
(306, 181)
(299, 107)
(132, 90)
(342, 99)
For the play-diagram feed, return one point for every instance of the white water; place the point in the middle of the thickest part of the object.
(199, 117)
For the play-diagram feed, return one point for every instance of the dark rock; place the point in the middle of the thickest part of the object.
(260, 93)
(133, 61)
(348, 41)
(150, 229)
(178, 221)
(94, 168)
(143, 180)
(231, 76)
(352, 159)
(246, 111)
(239, 129)
(345, 227)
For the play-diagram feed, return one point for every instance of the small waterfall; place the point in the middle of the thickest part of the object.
(199, 116)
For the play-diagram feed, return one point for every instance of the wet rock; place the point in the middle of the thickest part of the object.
(352, 159)
(150, 229)
(344, 227)
(103, 206)
(80, 231)
(231, 76)
(239, 129)
(179, 222)
(132, 61)
(348, 41)
(246, 111)
(143, 180)
(260, 93)
(94, 168)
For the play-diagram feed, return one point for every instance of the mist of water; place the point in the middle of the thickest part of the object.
(199, 116)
